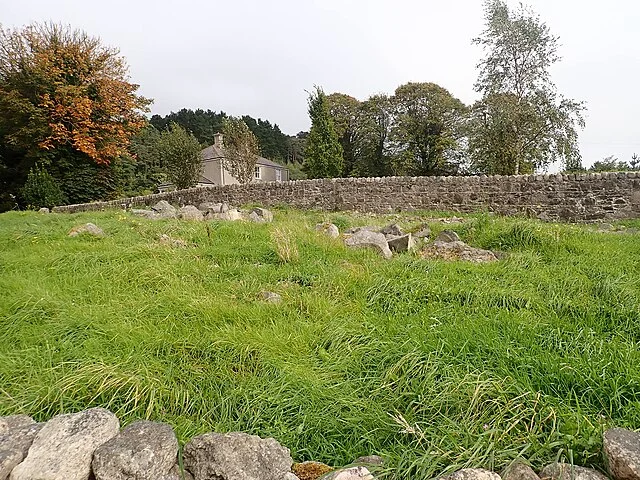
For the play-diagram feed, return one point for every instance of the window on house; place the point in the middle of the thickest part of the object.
(278, 175)
(256, 173)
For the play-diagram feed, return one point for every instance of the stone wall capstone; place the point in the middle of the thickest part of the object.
(552, 197)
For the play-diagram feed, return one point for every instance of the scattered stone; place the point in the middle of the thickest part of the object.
(404, 243)
(519, 470)
(271, 297)
(565, 471)
(14, 446)
(64, 446)
(210, 207)
(350, 473)
(172, 242)
(164, 209)
(310, 470)
(368, 239)
(447, 236)
(261, 215)
(424, 232)
(458, 251)
(43, 210)
(622, 453)
(142, 451)
(88, 228)
(367, 228)
(472, 474)
(392, 230)
(230, 216)
(370, 460)
(150, 214)
(14, 421)
(329, 229)
(236, 456)
(190, 212)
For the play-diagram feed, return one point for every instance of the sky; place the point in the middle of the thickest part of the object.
(259, 57)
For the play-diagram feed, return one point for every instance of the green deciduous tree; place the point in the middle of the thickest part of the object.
(522, 123)
(373, 127)
(323, 153)
(41, 189)
(241, 149)
(344, 113)
(179, 152)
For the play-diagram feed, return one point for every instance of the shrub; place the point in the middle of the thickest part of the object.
(41, 189)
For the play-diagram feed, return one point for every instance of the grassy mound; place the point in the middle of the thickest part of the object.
(435, 365)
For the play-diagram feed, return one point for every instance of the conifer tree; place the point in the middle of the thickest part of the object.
(323, 152)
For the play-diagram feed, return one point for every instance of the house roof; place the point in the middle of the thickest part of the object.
(214, 152)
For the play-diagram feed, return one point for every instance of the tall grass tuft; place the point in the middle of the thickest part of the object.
(285, 244)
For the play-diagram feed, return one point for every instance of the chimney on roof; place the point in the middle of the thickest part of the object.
(218, 140)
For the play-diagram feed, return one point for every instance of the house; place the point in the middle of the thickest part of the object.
(214, 173)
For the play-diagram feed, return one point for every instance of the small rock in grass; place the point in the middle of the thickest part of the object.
(14, 446)
(472, 474)
(423, 232)
(404, 243)
(622, 453)
(367, 239)
(350, 473)
(565, 471)
(144, 450)
(271, 297)
(63, 448)
(236, 456)
(14, 421)
(172, 242)
(43, 210)
(447, 236)
(329, 229)
(88, 228)
(310, 470)
(190, 212)
(519, 470)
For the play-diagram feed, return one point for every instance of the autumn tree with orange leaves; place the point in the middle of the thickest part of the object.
(66, 104)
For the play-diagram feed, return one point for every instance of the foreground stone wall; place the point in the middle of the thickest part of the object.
(575, 197)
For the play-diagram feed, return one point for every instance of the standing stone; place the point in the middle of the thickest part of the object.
(405, 243)
(190, 212)
(622, 453)
(62, 450)
(142, 451)
(88, 228)
(329, 229)
(367, 239)
(236, 456)
(472, 474)
(519, 470)
(351, 473)
(14, 446)
(447, 236)
(14, 421)
(565, 471)
(261, 215)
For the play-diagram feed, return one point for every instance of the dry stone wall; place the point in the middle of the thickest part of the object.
(559, 197)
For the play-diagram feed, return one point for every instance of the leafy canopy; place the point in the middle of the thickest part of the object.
(179, 152)
(240, 148)
(323, 152)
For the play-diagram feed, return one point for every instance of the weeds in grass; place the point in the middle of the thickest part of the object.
(286, 247)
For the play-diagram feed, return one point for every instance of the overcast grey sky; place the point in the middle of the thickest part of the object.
(258, 57)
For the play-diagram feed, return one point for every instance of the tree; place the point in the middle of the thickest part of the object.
(520, 104)
(41, 190)
(371, 143)
(179, 152)
(612, 164)
(241, 149)
(66, 103)
(427, 130)
(323, 153)
(344, 111)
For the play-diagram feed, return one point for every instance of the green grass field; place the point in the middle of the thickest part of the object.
(435, 365)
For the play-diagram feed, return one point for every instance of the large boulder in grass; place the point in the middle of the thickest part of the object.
(88, 229)
(519, 470)
(190, 212)
(472, 474)
(328, 229)
(164, 209)
(213, 208)
(405, 243)
(566, 471)
(447, 236)
(622, 453)
(14, 421)
(368, 239)
(349, 473)
(14, 446)
(392, 231)
(230, 215)
(176, 474)
(142, 451)
(261, 215)
(236, 456)
(63, 448)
